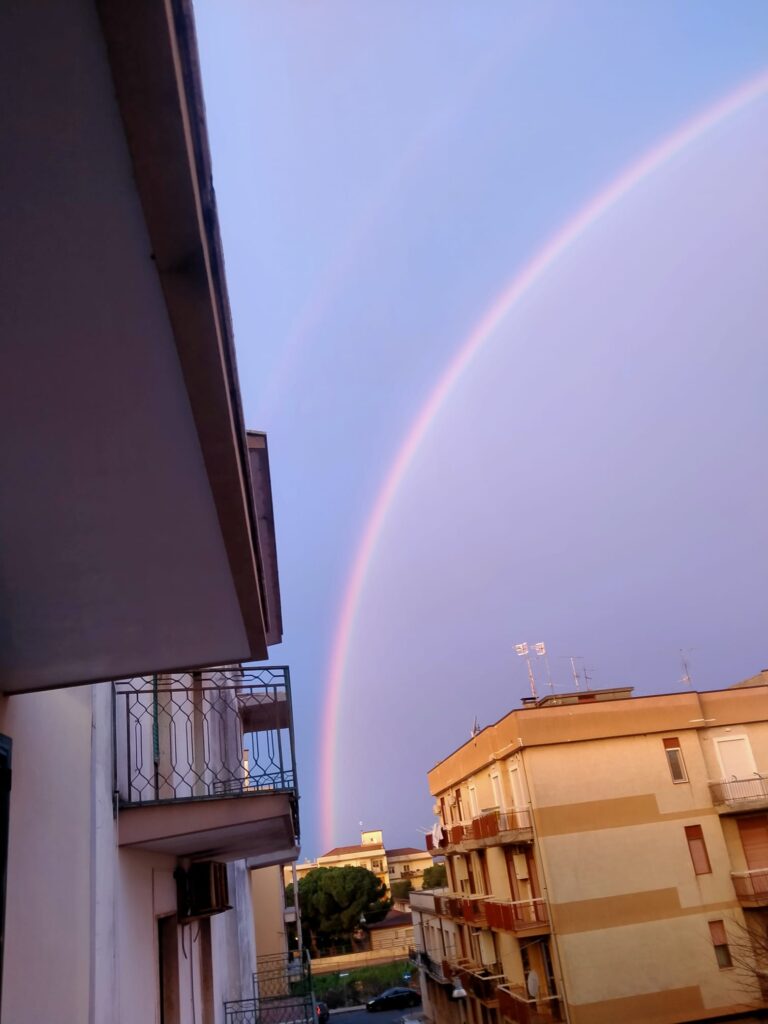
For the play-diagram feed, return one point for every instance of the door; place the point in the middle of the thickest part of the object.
(754, 839)
(736, 758)
(168, 969)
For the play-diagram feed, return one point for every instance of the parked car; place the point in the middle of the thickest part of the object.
(321, 1010)
(393, 999)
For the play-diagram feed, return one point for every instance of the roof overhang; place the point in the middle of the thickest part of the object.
(130, 541)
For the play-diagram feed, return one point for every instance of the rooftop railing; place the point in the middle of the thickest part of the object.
(740, 791)
(196, 735)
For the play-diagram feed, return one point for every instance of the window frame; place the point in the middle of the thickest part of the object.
(694, 836)
(672, 746)
(722, 948)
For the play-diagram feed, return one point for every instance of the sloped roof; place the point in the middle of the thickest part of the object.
(404, 851)
(339, 850)
(394, 919)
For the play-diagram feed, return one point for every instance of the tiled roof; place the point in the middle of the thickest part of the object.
(404, 851)
(394, 919)
(339, 850)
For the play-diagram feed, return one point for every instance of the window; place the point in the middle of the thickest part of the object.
(697, 849)
(376, 865)
(675, 759)
(720, 942)
(474, 807)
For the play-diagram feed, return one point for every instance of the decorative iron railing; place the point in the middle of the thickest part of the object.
(516, 915)
(751, 885)
(734, 791)
(282, 993)
(197, 735)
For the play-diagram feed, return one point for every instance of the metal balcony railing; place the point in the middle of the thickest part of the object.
(197, 735)
(751, 886)
(516, 915)
(736, 791)
(282, 993)
(495, 823)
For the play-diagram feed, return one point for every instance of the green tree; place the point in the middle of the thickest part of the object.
(401, 888)
(333, 900)
(435, 877)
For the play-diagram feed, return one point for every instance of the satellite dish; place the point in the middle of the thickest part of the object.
(532, 984)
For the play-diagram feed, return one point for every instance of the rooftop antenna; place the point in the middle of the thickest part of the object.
(573, 658)
(522, 651)
(475, 728)
(687, 678)
(541, 652)
(587, 677)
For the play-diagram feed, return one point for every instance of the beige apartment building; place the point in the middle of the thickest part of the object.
(388, 865)
(146, 764)
(607, 861)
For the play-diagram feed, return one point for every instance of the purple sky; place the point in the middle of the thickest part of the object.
(597, 479)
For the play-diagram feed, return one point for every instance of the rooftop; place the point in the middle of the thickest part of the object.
(404, 851)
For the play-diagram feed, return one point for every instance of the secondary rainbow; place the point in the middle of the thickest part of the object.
(523, 281)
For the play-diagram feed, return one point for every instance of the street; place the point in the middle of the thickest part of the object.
(363, 1017)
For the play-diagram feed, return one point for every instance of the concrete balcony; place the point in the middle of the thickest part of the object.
(495, 827)
(491, 828)
(516, 1005)
(205, 765)
(751, 887)
(526, 917)
(732, 796)
(481, 981)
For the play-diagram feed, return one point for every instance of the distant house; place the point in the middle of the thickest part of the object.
(389, 866)
(395, 932)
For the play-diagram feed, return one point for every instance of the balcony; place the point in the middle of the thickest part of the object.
(731, 795)
(499, 827)
(282, 993)
(516, 1005)
(520, 916)
(204, 764)
(751, 887)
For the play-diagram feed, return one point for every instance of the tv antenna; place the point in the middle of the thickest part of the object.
(687, 678)
(522, 651)
(573, 658)
(541, 652)
(475, 728)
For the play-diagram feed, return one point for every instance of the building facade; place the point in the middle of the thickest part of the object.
(146, 764)
(607, 860)
(393, 865)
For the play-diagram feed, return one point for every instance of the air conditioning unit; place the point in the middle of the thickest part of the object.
(202, 890)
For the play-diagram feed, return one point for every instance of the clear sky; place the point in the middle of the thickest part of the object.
(596, 478)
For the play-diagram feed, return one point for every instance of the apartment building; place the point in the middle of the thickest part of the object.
(607, 860)
(145, 763)
(398, 863)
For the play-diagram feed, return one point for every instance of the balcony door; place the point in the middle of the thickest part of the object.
(736, 758)
(754, 839)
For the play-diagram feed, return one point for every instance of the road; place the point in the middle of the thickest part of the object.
(363, 1017)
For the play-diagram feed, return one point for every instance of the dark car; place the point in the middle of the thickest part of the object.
(321, 1011)
(393, 999)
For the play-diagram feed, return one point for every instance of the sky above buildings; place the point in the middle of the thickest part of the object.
(497, 278)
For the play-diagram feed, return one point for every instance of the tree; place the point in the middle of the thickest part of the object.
(401, 888)
(435, 877)
(333, 900)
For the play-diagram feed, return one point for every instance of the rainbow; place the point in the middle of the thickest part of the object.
(519, 286)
